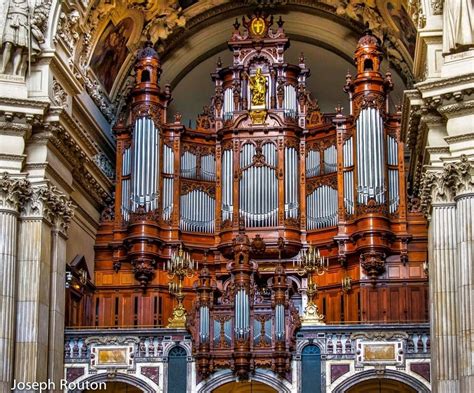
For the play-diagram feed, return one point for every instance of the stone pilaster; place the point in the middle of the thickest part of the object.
(463, 173)
(442, 259)
(12, 194)
(40, 269)
(62, 209)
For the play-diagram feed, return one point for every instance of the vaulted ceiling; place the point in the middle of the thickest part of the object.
(191, 38)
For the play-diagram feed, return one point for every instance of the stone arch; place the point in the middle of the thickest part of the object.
(264, 376)
(388, 374)
(119, 377)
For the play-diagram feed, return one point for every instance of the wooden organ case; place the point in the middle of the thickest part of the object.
(262, 176)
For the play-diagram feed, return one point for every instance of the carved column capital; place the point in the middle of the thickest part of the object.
(46, 201)
(13, 192)
(443, 185)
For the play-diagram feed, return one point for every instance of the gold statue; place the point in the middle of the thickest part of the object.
(258, 87)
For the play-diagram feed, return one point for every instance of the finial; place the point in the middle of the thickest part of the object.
(280, 22)
(339, 109)
(236, 24)
(177, 117)
(302, 58)
(219, 62)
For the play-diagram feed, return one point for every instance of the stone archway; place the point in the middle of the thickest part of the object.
(134, 383)
(264, 377)
(118, 387)
(244, 387)
(390, 379)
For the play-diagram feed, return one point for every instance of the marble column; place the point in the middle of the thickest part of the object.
(12, 192)
(442, 259)
(40, 287)
(465, 289)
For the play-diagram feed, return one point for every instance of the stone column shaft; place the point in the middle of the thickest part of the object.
(442, 257)
(8, 240)
(465, 290)
(33, 292)
(57, 308)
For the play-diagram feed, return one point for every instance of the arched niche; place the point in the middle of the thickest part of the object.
(244, 387)
(389, 377)
(311, 369)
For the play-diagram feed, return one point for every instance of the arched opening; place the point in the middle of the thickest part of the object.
(381, 385)
(368, 65)
(145, 76)
(244, 387)
(311, 369)
(118, 387)
(177, 370)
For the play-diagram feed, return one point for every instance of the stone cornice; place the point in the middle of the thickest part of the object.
(459, 138)
(458, 107)
(22, 107)
(14, 129)
(442, 185)
(454, 81)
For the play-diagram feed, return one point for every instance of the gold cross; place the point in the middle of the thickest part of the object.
(258, 26)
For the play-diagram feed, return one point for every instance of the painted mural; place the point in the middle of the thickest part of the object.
(111, 51)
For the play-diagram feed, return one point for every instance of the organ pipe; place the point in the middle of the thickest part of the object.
(126, 183)
(370, 156)
(321, 208)
(313, 163)
(330, 159)
(227, 181)
(348, 162)
(258, 203)
(168, 182)
(291, 183)
(242, 314)
(393, 181)
(197, 212)
(228, 104)
(144, 165)
(204, 324)
(289, 101)
(280, 322)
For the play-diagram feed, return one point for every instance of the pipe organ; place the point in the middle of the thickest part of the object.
(262, 176)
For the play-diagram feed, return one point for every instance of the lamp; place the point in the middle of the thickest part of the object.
(308, 262)
(179, 266)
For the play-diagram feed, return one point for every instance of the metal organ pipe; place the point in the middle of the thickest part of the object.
(204, 324)
(348, 163)
(208, 168)
(188, 165)
(393, 184)
(330, 159)
(321, 208)
(145, 165)
(197, 212)
(289, 101)
(291, 183)
(168, 182)
(126, 183)
(228, 104)
(242, 314)
(370, 156)
(313, 163)
(280, 322)
(258, 202)
(227, 181)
